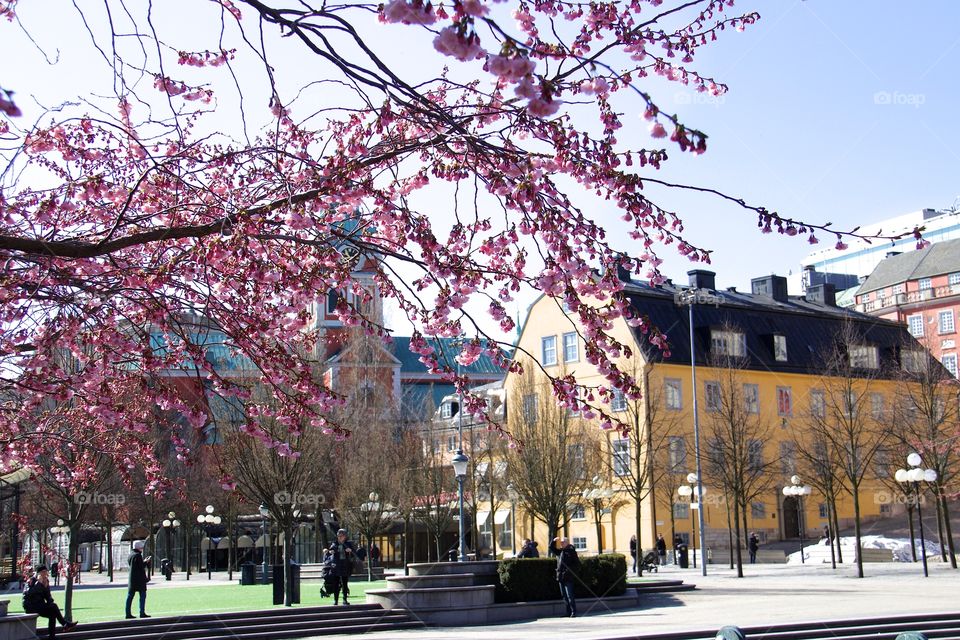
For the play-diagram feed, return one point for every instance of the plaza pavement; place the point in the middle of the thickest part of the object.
(768, 594)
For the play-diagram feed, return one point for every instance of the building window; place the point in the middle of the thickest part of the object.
(784, 402)
(945, 321)
(505, 532)
(780, 348)
(570, 353)
(885, 509)
(548, 350)
(621, 457)
(577, 512)
(949, 361)
(672, 390)
(751, 398)
(712, 391)
(912, 360)
(579, 543)
(863, 356)
(881, 463)
(915, 325)
(954, 279)
(758, 510)
(530, 407)
(755, 455)
(897, 288)
(681, 510)
(818, 404)
(876, 406)
(881, 294)
(788, 457)
(332, 299)
(452, 442)
(728, 343)
(619, 401)
(925, 283)
(823, 512)
(677, 454)
(575, 455)
(448, 409)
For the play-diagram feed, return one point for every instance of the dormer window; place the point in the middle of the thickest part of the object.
(780, 348)
(449, 409)
(912, 360)
(864, 357)
(728, 343)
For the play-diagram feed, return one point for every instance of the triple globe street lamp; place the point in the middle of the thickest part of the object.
(912, 478)
(460, 462)
(596, 496)
(797, 489)
(690, 490)
(170, 524)
(207, 522)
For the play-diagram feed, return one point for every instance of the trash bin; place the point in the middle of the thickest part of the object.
(278, 576)
(248, 573)
(684, 556)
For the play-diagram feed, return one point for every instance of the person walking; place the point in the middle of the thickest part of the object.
(752, 545)
(661, 550)
(343, 554)
(38, 600)
(677, 541)
(374, 555)
(568, 564)
(137, 578)
(55, 570)
(633, 551)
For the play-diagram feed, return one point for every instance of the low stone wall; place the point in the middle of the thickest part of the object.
(516, 611)
(18, 627)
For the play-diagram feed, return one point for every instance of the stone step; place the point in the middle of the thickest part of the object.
(432, 598)
(430, 581)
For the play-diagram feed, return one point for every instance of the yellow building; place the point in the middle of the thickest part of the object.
(787, 370)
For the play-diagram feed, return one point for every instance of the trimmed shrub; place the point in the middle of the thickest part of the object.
(527, 580)
(533, 579)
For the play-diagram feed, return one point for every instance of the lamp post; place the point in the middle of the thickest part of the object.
(913, 477)
(689, 298)
(513, 496)
(170, 524)
(207, 521)
(60, 530)
(264, 513)
(460, 462)
(797, 489)
(692, 488)
(369, 508)
(596, 496)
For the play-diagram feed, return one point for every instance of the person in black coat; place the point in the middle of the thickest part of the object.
(343, 554)
(661, 550)
(374, 555)
(137, 578)
(752, 545)
(568, 564)
(633, 551)
(37, 599)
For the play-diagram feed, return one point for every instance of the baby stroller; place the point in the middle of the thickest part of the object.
(327, 573)
(649, 562)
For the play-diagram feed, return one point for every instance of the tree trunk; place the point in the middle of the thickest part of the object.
(856, 529)
(287, 565)
(73, 547)
(736, 524)
(404, 543)
(836, 528)
(940, 536)
(100, 553)
(913, 537)
(942, 497)
(730, 535)
(831, 537)
(637, 524)
(110, 551)
(746, 531)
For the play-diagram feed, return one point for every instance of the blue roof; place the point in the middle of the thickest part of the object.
(445, 349)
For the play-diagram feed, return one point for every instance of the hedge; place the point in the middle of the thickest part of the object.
(533, 579)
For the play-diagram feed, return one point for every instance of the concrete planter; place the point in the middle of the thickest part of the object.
(4, 607)
(418, 599)
(431, 582)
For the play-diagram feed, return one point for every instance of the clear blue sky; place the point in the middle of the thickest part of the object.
(802, 131)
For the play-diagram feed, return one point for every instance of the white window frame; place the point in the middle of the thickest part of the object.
(618, 401)
(911, 360)
(673, 393)
(915, 325)
(578, 512)
(548, 350)
(945, 323)
(751, 398)
(897, 288)
(620, 454)
(818, 403)
(924, 283)
(681, 510)
(728, 343)
(579, 543)
(712, 395)
(953, 279)
(876, 406)
(758, 510)
(864, 356)
(780, 348)
(949, 361)
(570, 342)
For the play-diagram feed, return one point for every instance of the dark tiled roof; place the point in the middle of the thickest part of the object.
(446, 350)
(937, 259)
(809, 328)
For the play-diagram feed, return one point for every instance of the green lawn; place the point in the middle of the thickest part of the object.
(95, 605)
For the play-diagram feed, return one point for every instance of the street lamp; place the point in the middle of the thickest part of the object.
(692, 488)
(369, 508)
(914, 476)
(797, 489)
(60, 530)
(207, 522)
(170, 524)
(264, 513)
(689, 298)
(596, 496)
(459, 463)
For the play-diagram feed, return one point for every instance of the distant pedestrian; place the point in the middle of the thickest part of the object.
(661, 550)
(568, 564)
(374, 555)
(38, 600)
(137, 578)
(343, 555)
(633, 551)
(55, 571)
(677, 541)
(827, 534)
(529, 549)
(362, 554)
(752, 545)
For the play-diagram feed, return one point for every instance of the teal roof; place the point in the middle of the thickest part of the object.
(445, 349)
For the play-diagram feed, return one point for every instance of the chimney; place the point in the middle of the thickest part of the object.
(825, 294)
(702, 279)
(623, 273)
(772, 286)
(890, 254)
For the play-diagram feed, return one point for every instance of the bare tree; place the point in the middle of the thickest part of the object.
(822, 470)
